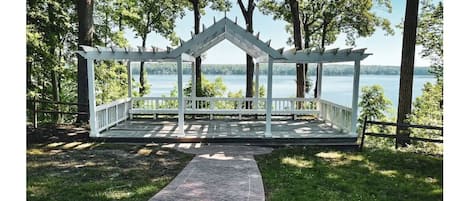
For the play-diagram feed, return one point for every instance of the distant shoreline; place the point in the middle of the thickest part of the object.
(279, 69)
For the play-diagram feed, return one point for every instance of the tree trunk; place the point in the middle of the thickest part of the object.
(307, 37)
(85, 37)
(323, 45)
(29, 86)
(407, 71)
(141, 89)
(55, 94)
(29, 82)
(53, 72)
(198, 60)
(300, 79)
(247, 14)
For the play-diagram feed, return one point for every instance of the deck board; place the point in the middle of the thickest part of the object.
(224, 128)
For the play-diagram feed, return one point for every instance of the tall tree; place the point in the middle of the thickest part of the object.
(247, 12)
(198, 7)
(297, 40)
(49, 36)
(323, 20)
(110, 75)
(407, 71)
(354, 18)
(85, 37)
(289, 11)
(146, 16)
(427, 109)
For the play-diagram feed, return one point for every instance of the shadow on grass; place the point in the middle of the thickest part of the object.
(49, 133)
(97, 171)
(314, 174)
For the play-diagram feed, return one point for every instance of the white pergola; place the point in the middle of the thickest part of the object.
(200, 43)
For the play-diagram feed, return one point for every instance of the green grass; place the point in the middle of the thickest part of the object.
(374, 174)
(78, 171)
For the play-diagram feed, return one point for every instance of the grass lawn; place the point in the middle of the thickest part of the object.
(86, 171)
(374, 174)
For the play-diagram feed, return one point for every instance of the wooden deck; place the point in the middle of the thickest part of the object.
(227, 130)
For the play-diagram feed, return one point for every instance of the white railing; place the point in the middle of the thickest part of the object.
(154, 103)
(338, 115)
(215, 105)
(112, 113)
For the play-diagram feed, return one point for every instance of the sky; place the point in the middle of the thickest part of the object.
(386, 49)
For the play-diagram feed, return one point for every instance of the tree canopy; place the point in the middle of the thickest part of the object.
(430, 36)
(326, 19)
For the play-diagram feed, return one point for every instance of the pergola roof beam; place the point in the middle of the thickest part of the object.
(318, 55)
(226, 29)
(346, 51)
(128, 53)
(201, 49)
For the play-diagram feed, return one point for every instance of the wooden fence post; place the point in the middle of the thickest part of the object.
(34, 113)
(363, 133)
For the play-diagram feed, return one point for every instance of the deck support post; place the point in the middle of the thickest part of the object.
(129, 87)
(129, 79)
(319, 87)
(180, 98)
(193, 92)
(268, 115)
(256, 103)
(356, 85)
(91, 98)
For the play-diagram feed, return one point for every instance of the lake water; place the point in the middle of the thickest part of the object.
(337, 89)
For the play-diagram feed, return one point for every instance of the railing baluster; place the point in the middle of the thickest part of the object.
(116, 115)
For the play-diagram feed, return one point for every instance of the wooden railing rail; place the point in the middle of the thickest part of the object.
(58, 102)
(367, 123)
(220, 103)
(56, 109)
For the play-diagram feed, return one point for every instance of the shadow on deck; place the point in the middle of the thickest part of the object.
(246, 131)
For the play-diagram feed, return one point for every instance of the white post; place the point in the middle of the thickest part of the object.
(268, 115)
(193, 92)
(91, 98)
(319, 87)
(356, 85)
(256, 104)
(129, 80)
(180, 98)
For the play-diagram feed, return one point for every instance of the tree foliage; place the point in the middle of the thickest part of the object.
(373, 103)
(217, 88)
(326, 19)
(428, 108)
(50, 36)
(375, 106)
(323, 20)
(51, 39)
(146, 16)
(430, 36)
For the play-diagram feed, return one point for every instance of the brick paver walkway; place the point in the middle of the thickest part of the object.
(217, 172)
